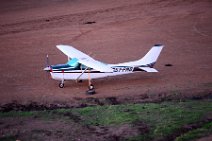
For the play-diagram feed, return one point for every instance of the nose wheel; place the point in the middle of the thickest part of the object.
(61, 85)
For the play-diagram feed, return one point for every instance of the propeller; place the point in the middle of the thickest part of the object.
(47, 68)
(47, 60)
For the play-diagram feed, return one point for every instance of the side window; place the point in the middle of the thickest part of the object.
(82, 67)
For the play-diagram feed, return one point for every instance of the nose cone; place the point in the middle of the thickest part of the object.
(47, 68)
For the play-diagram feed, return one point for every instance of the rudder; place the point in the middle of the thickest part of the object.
(151, 57)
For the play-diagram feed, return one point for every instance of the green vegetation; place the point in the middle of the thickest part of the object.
(8, 138)
(16, 114)
(205, 130)
(162, 119)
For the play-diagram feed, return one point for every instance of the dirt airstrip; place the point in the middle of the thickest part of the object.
(112, 31)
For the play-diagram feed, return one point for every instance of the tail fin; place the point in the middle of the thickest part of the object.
(147, 62)
(151, 57)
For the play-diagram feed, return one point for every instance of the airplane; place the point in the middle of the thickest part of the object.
(81, 66)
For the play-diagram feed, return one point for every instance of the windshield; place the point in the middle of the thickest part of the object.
(73, 62)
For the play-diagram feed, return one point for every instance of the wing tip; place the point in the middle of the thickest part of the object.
(61, 45)
(158, 45)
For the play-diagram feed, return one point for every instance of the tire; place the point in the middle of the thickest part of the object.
(61, 85)
(90, 92)
(91, 87)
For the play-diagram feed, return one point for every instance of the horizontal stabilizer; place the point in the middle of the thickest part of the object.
(148, 69)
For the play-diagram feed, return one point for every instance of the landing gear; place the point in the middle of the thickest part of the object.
(91, 90)
(91, 87)
(61, 85)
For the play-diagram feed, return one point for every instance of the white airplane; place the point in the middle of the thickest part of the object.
(83, 67)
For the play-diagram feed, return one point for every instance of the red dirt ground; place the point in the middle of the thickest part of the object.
(124, 30)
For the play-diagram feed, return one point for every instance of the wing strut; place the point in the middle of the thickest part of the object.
(91, 89)
(81, 74)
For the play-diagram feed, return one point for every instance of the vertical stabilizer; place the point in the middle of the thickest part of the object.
(148, 60)
(152, 56)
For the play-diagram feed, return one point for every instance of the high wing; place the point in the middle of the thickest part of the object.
(84, 58)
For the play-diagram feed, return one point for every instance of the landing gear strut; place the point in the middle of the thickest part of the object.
(61, 84)
(91, 89)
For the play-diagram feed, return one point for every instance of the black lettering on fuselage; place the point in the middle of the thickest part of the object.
(122, 69)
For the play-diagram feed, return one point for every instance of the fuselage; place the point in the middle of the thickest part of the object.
(78, 71)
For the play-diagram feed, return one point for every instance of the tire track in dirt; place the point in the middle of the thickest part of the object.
(117, 13)
(51, 22)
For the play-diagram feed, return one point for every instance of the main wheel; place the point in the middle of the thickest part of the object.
(90, 92)
(61, 85)
(91, 87)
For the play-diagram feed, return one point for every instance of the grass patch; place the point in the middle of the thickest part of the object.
(17, 114)
(163, 119)
(205, 130)
(8, 138)
(152, 113)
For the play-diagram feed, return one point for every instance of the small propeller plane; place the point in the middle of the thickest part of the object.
(83, 67)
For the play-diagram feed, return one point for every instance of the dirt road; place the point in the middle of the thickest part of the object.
(121, 30)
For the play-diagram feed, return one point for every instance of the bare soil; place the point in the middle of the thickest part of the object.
(112, 31)
(36, 129)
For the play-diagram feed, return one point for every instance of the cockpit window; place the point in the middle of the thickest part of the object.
(73, 62)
